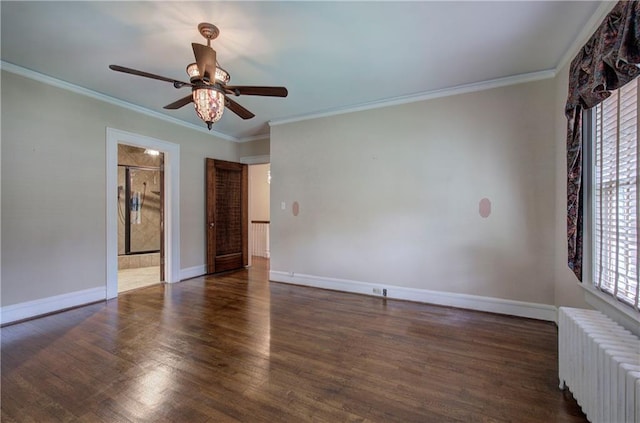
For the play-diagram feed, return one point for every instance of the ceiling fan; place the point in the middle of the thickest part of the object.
(208, 82)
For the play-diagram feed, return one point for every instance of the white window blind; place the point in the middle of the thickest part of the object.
(615, 193)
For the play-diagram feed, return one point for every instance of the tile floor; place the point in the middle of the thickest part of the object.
(129, 279)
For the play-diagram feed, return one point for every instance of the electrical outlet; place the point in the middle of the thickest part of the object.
(384, 292)
(377, 291)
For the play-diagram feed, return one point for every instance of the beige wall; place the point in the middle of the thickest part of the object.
(391, 196)
(386, 196)
(254, 148)
(53, 187)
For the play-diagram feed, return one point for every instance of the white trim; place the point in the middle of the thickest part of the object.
(462, 89)
(472, 302)
(251, 160)
(604, 8)
(172, 201)
(607, 304)
(29, 309)
(49, 80)
(428, 95)
(621, 313)
(587, 31)
(192, 272)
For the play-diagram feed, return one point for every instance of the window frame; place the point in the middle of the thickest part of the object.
(606, 303)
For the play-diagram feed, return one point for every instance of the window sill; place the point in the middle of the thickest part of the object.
(621, 313)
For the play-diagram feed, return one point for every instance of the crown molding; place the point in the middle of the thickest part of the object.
(586, 33)
(427, 95)
(601, 12)
(604, 8)
(49, 80)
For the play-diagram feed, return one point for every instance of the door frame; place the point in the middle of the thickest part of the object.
(171, 204)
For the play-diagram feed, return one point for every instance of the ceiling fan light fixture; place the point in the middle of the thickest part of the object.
(208, 82)
(221, 76)
(192, 71)
(209, 104)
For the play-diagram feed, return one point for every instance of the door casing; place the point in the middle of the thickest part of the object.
(171, 210)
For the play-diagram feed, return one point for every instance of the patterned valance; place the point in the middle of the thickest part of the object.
(606, 62)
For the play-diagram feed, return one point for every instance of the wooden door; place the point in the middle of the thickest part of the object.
(227, 216)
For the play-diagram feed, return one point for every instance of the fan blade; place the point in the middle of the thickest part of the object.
(265, 91)
(206, 60)
(176, 83)
(238, 109)
(180, 103)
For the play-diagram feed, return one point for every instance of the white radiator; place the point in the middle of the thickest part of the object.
(599, 361)
(260, 238)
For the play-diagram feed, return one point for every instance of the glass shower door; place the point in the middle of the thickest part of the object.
(139, 209)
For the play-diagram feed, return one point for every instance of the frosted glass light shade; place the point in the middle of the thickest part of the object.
(208, 99)
(209, 104)
(221, 76)
(192, 71)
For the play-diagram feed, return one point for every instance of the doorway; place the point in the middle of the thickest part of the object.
(171, 193)
(259, 214)
(140, 217)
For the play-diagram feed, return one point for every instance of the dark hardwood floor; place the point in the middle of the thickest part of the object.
(236, 348)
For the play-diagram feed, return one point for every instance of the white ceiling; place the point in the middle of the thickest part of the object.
(332, 56)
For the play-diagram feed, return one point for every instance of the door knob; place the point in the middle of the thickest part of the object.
(212, 224)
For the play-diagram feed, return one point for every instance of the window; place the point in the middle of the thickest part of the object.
(614, 193)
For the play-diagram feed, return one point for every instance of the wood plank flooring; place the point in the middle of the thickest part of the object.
(236, 348)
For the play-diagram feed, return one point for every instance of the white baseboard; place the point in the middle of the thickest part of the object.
(192, 272)
(29, 309)
(472, 302)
